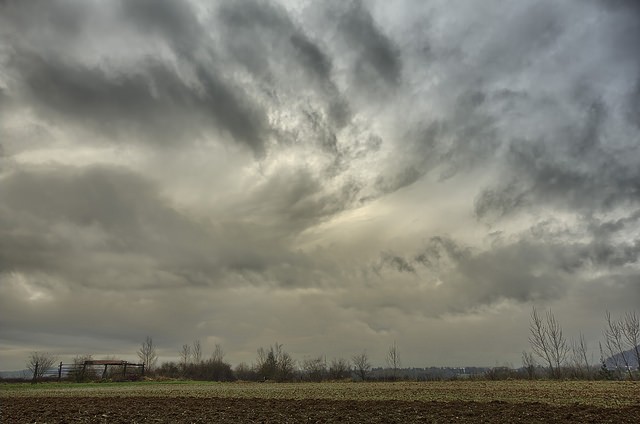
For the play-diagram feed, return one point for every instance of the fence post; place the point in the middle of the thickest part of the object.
(124, 370)
(35, 374)
(60, 371)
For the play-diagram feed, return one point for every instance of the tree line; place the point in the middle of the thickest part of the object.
(273, 363)
(552, 355)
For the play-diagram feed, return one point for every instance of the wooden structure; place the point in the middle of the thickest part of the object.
(113, 363)
(101, 368)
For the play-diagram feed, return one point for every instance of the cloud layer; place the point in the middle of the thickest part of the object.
(333, 176)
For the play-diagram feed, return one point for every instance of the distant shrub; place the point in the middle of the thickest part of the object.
(501, 373)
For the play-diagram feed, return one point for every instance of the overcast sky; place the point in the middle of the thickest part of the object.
(334, 176)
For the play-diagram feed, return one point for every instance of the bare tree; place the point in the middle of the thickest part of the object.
(393, 360)
(185, 356)
(631, 332)
(611, 351)
(39, 363)
(315, 368)
(548, 341)
(196, 351)
(529, 364)
(266, 364)
(147, 354)
(286, 364)
(218, 354)
(614, 340)
(339, 369)
(579, 357)
(275, 364)
(244, 372)
(538, 337)
(215, 368)
(361, 365)
(558, 343)
(604, 368)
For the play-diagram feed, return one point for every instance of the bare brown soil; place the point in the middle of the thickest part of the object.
(140, 409)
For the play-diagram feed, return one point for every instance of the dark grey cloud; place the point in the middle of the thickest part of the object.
(633, 113)
(525, 271)
(262, 37)
(313, 58)
(245, 121)
(627, 14)
(467, 138)
(576, 170)
(377, 58)
(319, 66)
(531, 31)
(69, 222)
(395, 262)
(130, 103)
(440, 251)
(153, 104)
(64, 19)
(261, 34)
(522, 272)
(170, 21)
(295, 199)
(608, 228)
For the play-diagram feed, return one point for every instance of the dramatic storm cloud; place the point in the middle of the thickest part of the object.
(334, 176)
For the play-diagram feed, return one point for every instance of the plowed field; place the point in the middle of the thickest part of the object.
(460, 402)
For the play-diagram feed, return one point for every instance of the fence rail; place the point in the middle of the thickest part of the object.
(90, 370)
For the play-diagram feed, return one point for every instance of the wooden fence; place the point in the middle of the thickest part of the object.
(91, 370)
